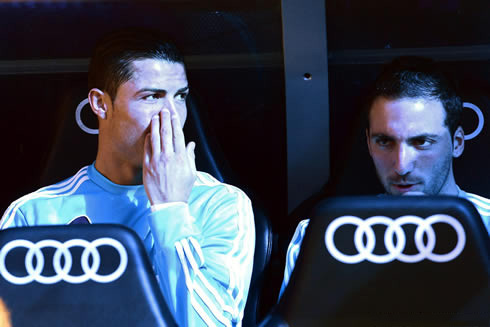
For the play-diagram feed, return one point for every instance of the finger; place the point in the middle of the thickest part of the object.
(155, 136)
(147, 150)
(192, 155)
(178, 135)
(166, 132)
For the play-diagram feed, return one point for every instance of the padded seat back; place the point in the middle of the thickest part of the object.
(79, 275)
(385, 261)
(262, 255)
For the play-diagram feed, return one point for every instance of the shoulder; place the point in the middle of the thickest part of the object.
(299, 234)
(43, 195)
(207, 183)
(63, 188)
(480, 202)
(293, 249)
(219, 204)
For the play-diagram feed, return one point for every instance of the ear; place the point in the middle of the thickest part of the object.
(99, 102)
(458, 142)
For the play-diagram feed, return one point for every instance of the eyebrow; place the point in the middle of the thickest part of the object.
(381, 135)
(153, 90)
(425, 135)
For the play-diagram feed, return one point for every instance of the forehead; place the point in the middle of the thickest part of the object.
(407, 117)
(158, 73)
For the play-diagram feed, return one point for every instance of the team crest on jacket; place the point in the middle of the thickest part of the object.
(80, 220)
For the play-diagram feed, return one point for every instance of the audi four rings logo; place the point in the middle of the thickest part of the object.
(365, 251)
(62, 272)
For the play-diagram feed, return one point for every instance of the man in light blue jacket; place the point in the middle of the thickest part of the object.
(199, 233)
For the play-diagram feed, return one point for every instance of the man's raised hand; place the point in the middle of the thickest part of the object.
(169, 168)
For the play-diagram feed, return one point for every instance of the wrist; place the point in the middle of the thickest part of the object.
(159, 206)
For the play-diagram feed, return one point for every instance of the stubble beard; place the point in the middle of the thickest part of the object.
(434, 186)
(439, 180)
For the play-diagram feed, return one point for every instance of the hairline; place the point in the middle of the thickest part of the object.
(394, 98)
(131, 70)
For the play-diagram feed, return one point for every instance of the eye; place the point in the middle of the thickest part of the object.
(384, 142)
(422, 143)
(182, 96)
(153, 96)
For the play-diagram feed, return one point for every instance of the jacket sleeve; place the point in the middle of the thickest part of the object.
(293, 252)
(13, 217)
(204, 264)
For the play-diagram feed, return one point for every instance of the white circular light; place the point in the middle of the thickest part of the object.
(481, 120)
(78, 118)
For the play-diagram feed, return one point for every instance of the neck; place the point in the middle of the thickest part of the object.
(117, 170)
(450, 187)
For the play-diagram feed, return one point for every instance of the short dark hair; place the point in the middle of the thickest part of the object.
(110, 65)
(418, 77)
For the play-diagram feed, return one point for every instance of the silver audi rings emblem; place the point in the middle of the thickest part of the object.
(62, 271)
(395, 251)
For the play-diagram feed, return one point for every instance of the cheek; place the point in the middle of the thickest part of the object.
(145, 116)
(134, 115)
(381, 159)
(182, 115)
(429, 160)
(135, 127)
(143, 122)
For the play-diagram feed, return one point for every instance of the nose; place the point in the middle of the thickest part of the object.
(170, 105)
(404, 160)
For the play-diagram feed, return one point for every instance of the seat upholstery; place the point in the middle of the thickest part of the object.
(114, 294)
(326, 289)
(263, 249)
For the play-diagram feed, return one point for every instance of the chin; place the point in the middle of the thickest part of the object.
(394, 192)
